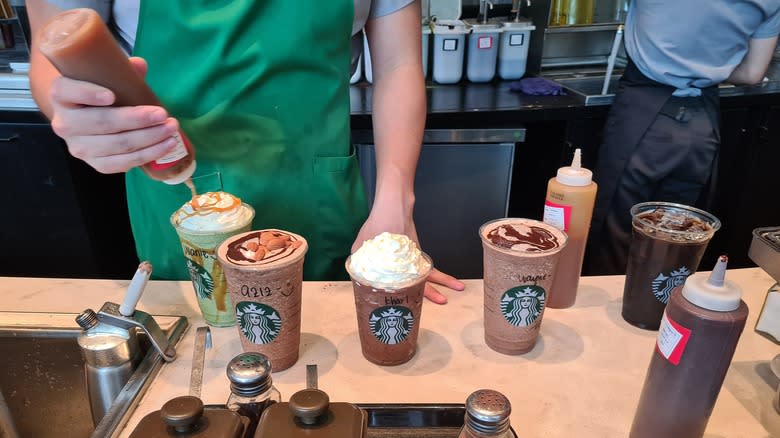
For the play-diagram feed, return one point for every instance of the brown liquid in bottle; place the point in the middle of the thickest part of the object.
(81, 47)
(693, 353)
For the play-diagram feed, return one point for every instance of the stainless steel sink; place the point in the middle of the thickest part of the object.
(43, 382)
(588, 89)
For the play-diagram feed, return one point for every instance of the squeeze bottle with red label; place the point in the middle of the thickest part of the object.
(696, 342)
(571, 195)
(81, 47)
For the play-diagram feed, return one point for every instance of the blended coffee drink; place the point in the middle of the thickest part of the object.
(520, 259)
(667, 244)
(264, 271)
(202, 224)
(388, 277)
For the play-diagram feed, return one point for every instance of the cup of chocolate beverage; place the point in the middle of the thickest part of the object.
(202, 224)
(388, 276)
(264, 272)
(667, 244)
(520, 258)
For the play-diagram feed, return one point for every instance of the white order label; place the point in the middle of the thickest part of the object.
(485, 42)
(450, 45)
(668, 338)
(555, 216)
(179, 152)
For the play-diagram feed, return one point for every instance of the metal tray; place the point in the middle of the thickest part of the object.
(765, 250)
(415, 420)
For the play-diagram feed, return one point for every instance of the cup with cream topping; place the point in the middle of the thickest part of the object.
(520, 257)
(388, 276)
(264, 272)
(202, 224)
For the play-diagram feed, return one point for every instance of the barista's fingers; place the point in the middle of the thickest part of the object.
(100, 146)
(91, 120)
(68, 92)
(139, 64)
(434, 295)
(125, 162)
(445, 280)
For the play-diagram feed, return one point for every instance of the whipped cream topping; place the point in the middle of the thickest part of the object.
(390, 260)
(213, 211)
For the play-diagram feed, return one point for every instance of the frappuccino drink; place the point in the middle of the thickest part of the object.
(202, 224)
(388, 277)
(520, 258)
(264, 271)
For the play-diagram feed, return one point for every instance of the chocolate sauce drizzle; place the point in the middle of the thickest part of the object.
(539, 239)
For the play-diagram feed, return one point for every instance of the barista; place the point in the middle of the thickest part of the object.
(261, 87)
(662, 133)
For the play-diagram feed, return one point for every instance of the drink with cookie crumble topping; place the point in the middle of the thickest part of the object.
(520, 258)
(264, 273)
(202, 224)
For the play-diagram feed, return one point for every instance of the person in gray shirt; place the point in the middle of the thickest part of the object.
(662, 134)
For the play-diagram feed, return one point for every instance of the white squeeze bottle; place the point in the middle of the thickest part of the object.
(568, 206)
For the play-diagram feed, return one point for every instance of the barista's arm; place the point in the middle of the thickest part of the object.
(110, 139)
(399, 110)
(753, 66)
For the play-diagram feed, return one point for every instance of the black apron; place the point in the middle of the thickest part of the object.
(651, 140)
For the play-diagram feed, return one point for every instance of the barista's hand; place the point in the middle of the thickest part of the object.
(378, 222)
(110, 139)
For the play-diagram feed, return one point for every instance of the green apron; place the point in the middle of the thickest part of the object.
(261, 88)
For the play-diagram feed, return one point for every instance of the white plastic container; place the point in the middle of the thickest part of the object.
(367, 60)
(358, 73)
(513, 50)
(426, 42)
(449, 38)
(482, 52)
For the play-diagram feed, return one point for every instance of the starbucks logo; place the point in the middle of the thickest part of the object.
(522, 305)
(201, 280)
(391, 324)
(260, 324)
(663, 285)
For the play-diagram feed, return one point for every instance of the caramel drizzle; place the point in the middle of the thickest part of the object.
(235, 254)
(207, 208)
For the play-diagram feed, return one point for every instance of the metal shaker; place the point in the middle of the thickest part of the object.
(111, 354)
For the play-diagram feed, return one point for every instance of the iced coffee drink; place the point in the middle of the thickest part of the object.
(202, 224)
(667, 244)
(520, 258)
(264, 271)
(388, 277)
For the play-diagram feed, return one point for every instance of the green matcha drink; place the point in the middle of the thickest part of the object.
(203, 224)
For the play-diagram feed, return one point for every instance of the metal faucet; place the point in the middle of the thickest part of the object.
(483, 10)
(516, 8)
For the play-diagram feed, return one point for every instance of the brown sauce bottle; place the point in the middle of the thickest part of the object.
(699, 332)
(81, 47)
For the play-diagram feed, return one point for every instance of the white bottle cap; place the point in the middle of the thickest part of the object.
(575, 175)
(713, 291)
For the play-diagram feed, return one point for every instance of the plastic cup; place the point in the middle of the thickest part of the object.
(667, 244)
(266, 293)
(388, 317)
(208, 279)
(518, 273)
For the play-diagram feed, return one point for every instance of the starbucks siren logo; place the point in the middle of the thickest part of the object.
(260, 324)
(391, 324)
(522, 305)
(664, 285)
(201, 280)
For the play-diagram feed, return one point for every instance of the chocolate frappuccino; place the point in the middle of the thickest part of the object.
(388, 277)
(520, 258)
(264, 271)
(202, 224)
